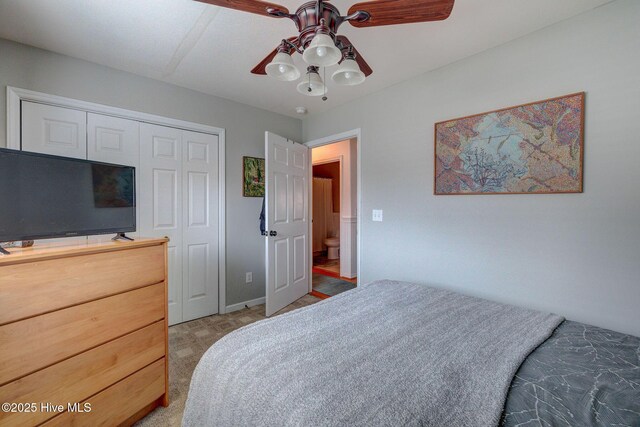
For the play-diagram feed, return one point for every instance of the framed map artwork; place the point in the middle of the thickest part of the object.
(530, 148)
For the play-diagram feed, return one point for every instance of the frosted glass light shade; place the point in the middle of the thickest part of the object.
(322, 51)
(348, 73)
(312, 81)
(282, 68)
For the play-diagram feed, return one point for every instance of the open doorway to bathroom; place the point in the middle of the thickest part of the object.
(334, 226)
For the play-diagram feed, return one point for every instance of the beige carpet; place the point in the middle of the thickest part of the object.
(188, 342)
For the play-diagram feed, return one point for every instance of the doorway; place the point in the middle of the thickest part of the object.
(334, 217)
(288, 214)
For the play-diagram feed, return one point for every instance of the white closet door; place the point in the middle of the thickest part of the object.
(200, 225)
(54, 130)
(161, 201)
(115, 140)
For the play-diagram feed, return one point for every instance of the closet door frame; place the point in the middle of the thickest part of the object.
(15, 96)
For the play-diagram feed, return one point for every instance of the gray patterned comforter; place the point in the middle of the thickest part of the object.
(581, 376)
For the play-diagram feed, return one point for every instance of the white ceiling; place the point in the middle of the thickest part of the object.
(212, 49)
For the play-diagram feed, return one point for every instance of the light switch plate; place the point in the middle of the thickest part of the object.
(376, 215)
(249, 278)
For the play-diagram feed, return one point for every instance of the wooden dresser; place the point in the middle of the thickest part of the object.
(83, 324)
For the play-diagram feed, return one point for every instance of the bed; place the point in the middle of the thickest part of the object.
(581, 376)
(395, 353)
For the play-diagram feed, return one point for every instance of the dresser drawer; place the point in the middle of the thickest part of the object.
(115, 405)
(29, 289)
(82, 376)
(37, 342)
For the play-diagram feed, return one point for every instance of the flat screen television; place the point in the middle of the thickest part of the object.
(43, 196)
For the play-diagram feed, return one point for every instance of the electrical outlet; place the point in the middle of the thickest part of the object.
(249, 277)
(376, 215)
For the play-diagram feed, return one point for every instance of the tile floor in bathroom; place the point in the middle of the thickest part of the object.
(322, 262)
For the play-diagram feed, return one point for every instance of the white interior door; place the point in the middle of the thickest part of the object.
(161, 201)
(200, 225)
(115, 140)
(54, 130)
(287, 219)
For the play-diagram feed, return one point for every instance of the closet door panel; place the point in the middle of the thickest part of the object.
(54, 130)
(161, 201)
(115, 140)
(200, 225)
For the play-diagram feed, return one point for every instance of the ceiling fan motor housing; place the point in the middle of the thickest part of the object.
(308, 20)
(310, 17)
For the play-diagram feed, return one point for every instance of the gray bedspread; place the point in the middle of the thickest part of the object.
(384, 354)
(581, 376)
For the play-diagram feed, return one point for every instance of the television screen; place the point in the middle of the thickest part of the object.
(44, 196)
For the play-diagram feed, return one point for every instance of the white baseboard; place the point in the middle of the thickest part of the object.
(241, 305)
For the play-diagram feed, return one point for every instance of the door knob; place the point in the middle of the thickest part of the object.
(273, 233)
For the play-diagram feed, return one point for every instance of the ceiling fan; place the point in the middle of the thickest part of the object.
(318, 40)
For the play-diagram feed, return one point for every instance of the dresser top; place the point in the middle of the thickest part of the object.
(51, 250)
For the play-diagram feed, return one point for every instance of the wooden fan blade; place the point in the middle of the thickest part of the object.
(253, 6)
(392, 12)
(364, 67)
(261, 68)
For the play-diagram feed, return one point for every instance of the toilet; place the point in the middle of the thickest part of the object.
(333, 242)
(333, 247)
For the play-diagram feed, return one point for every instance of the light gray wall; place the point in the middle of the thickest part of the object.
(35, 69)
(577, 255)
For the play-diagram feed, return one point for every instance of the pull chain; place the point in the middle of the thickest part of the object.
(324, 83)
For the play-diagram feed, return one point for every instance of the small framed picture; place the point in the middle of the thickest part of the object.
(253, 177)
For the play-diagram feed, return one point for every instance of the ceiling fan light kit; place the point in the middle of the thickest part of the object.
(322, 51)
(282, 68)
(312, 84)
(348, 73)
(319, 43)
